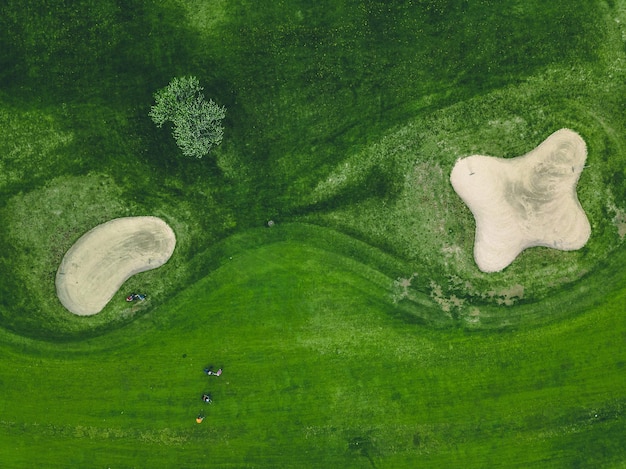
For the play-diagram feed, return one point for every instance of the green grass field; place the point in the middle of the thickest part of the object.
(357, 331)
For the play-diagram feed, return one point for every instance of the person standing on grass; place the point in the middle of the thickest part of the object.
(210, 372)
(136, 296)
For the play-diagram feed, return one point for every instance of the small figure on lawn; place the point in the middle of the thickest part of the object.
(209, 371)
(135, 297)
(207, 398)
(199, 418)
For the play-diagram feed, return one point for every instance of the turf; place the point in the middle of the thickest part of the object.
(317, 373)
(356, 332)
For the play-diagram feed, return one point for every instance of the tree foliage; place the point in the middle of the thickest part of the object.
(197, 123)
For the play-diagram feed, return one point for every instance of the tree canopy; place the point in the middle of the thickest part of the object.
(197, 123)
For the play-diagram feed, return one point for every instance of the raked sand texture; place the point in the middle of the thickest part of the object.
(97, 265)
(525, 201)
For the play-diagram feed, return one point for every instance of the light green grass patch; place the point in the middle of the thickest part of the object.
(29, 145)
(416, 214)
(205, 15)
(43, 224)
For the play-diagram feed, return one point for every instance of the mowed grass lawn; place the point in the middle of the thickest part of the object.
(356, 332)
(316, 374)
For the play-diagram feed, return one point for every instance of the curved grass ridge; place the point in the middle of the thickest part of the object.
(97, 265)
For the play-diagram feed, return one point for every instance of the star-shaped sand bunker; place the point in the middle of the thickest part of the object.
(525, 201)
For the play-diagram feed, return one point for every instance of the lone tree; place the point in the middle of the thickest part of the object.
(197, 123)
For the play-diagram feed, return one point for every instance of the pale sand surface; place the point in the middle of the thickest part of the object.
(97, 265)
(525, 201)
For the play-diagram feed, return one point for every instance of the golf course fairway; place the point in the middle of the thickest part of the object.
(323, 259)
(314, 377)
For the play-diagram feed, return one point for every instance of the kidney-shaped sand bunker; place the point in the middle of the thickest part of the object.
(97, 265)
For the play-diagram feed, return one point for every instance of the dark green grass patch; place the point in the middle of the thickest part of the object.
(89, 50)
(313, 84)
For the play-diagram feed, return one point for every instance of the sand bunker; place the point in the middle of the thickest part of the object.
(97, 265)
(525, 201)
